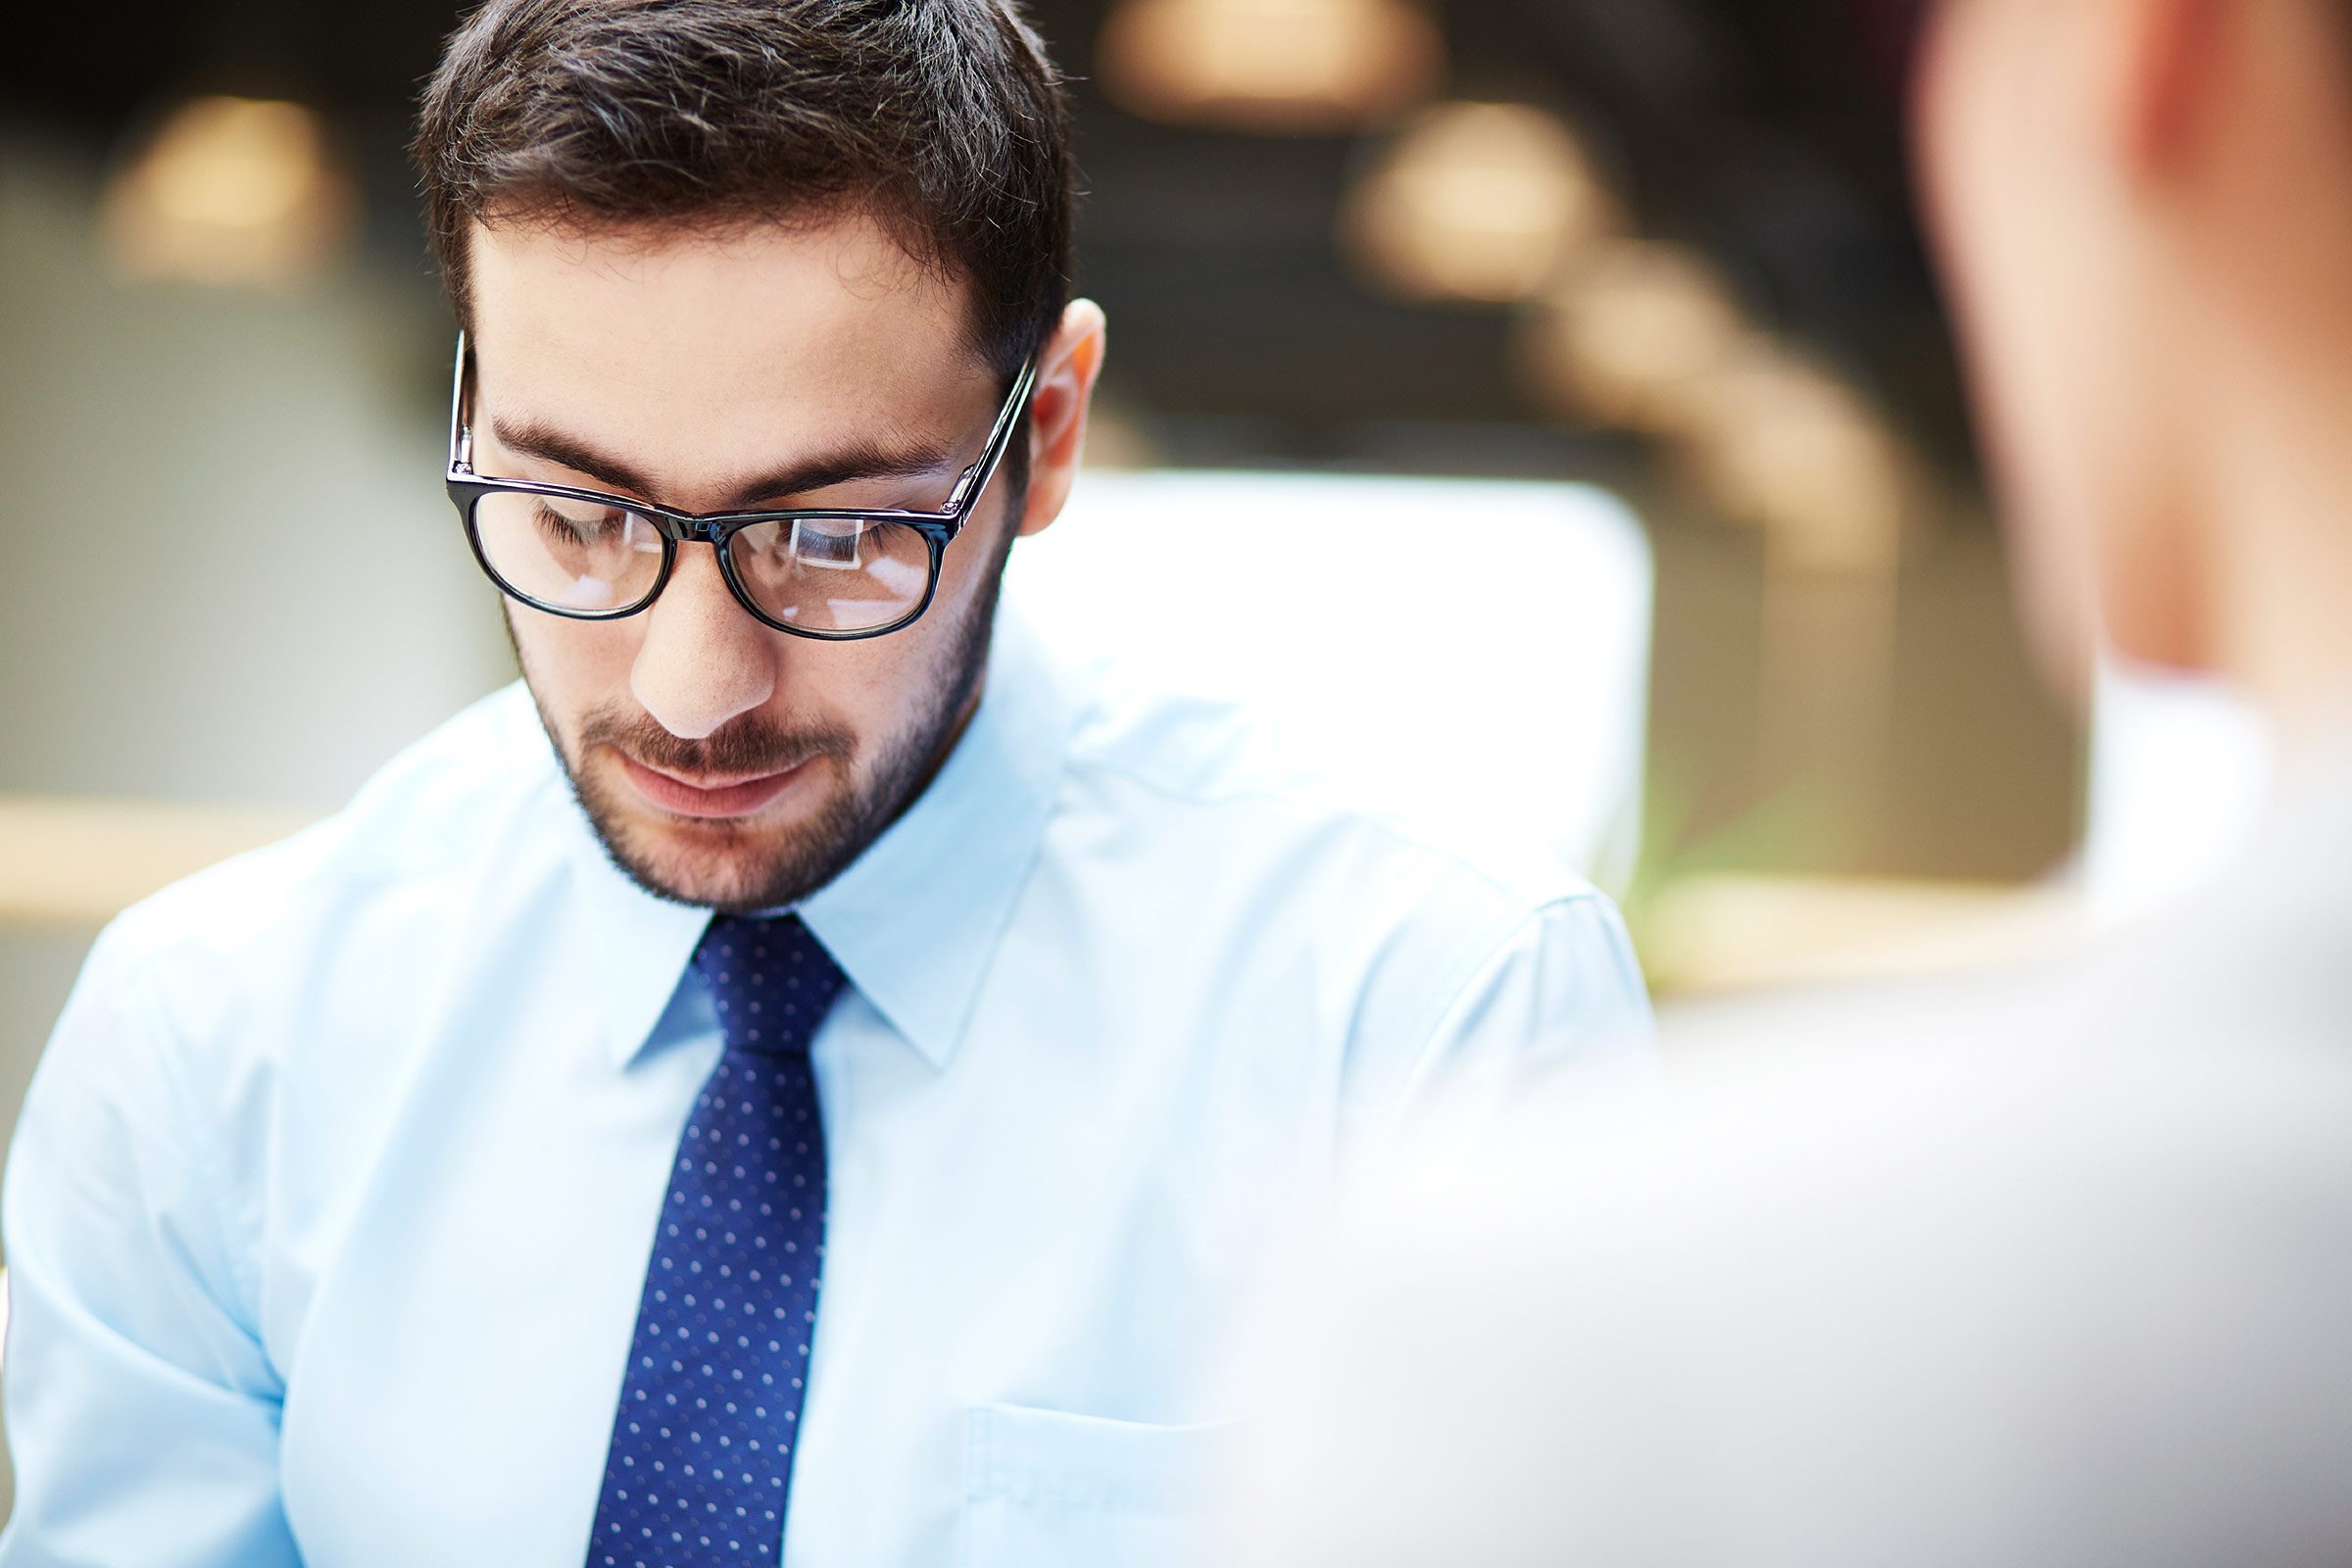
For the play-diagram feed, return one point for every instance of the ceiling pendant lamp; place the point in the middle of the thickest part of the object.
(1269, 66)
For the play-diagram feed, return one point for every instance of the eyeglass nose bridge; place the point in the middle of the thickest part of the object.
(694, 531)
(684, 530)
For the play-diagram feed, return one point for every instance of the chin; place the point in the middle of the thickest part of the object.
(737, 867)
(722, 867)
(725, 864)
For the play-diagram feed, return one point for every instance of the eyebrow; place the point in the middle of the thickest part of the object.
(856, 462)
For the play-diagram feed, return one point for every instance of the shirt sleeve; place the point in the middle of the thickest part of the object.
(142, 1410)
(1563, 991)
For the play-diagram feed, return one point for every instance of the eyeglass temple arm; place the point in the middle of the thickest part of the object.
(460, 438)
(998, 438)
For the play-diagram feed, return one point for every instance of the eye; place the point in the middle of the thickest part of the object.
(832, 544)
(587, 523)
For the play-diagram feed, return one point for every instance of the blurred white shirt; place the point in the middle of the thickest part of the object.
(2049, 1269)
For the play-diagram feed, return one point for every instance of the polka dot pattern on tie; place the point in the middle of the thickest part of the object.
(701, 1459)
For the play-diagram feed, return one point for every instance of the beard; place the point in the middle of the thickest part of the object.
(738, 869)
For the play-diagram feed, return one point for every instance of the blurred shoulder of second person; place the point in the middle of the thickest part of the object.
(2042, 1268)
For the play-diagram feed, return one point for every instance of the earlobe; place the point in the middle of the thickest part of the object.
(1067, 370)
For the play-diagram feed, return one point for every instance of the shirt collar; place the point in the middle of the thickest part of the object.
(915, 920)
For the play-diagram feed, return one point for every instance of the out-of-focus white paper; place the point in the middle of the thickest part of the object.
(1446, 645)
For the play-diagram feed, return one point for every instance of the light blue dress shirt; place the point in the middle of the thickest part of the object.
(331, 1202)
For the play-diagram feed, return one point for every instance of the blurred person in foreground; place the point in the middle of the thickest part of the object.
(450, 1184)
(2047, 1268)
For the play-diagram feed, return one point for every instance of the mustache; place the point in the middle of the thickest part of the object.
(742, 747)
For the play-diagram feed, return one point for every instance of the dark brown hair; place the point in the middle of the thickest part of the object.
(944, 118)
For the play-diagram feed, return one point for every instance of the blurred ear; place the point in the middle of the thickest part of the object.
(2167, 70)
(1067, 368)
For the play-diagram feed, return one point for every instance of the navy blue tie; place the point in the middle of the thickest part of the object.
(710, 1412)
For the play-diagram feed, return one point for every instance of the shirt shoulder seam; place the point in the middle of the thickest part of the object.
(1483, 958)
(1567, 888)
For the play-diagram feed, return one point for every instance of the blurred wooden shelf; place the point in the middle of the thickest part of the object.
(1711, 934)
(72, 863)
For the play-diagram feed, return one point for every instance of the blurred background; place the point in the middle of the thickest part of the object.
(1747, 648)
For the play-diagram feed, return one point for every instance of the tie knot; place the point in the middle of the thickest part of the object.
(771, 981)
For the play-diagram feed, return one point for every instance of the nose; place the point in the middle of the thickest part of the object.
(704, 659)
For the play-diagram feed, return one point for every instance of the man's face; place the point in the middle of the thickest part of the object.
(724, 762)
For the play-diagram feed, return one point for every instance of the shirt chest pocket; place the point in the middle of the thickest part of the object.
(1047, 1490)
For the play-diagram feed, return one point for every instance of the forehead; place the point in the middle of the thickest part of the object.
(653, 338)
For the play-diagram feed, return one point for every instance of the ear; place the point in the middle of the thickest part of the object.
(1066, 370)
(2164, 73)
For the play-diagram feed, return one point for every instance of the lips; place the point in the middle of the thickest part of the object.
(713, 798)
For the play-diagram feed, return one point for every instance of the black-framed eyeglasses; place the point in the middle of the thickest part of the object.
(825, 573)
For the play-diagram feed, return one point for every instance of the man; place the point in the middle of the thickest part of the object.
(448, 1185)
(2054, 1269)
